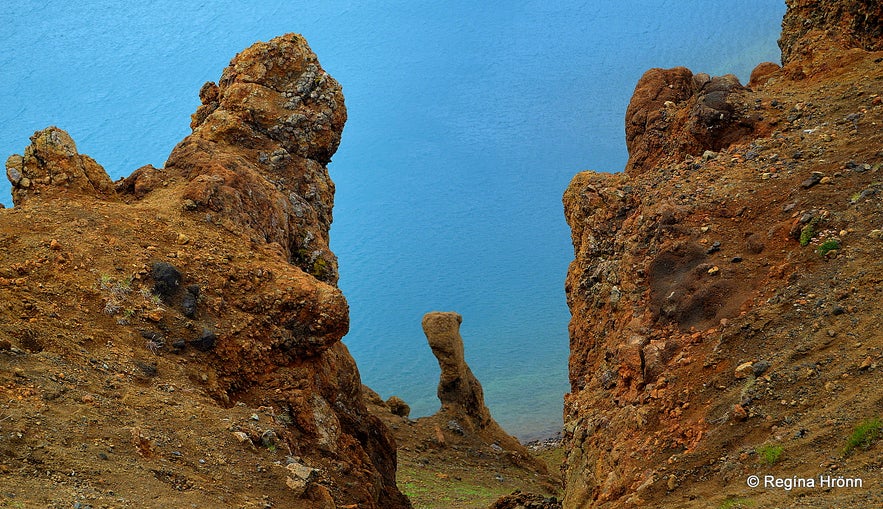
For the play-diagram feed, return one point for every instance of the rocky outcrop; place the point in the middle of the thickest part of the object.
(213, 273)
(52, 167)
(260, 145)
(716, 268)
(459, 391)
(810, 25)
(674, 113)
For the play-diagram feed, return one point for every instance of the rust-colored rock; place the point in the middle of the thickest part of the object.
(689, 266)
(51, 167)
(762, 73)
(460, 393)
(211, 278)
(260, 145)
(674, 113)
(809, 25)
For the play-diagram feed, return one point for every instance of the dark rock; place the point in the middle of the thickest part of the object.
(166, 279)
(608, 379)
(814, 179)
(837, 310)
(760, 367)
(455, 427)
(714, 248)
(188, 303)
(736, 259)
(148, 369)
(179, 345)
(205, 342)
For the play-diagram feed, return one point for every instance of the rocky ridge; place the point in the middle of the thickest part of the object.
(725, 287)
(203, 293)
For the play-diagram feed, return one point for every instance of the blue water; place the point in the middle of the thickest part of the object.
(466, 123)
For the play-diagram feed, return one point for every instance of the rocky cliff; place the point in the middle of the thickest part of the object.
(725, 291)
(174, 339)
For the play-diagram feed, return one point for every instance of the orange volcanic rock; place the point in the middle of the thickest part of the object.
(196, 308)
(744, 234)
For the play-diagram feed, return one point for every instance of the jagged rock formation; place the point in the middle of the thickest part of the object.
(208, 277)
(725, 287)
(460, 393)
(51, 165)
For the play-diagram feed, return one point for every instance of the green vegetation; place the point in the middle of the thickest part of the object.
(828, 246)
(769, 454)
(433, 490)
(809, 231)
(736, 503)
(864, 435)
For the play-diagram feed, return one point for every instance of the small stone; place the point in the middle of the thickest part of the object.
(709, 155)
(866, 363)
(744, 369)
(672, 482)
(269, 439)
(182, 239)
(876, 234)
(760, 367)
(398, 406)
(205, 342)
(831, 333)
(242, 437)
(154, 315)
(837, 310)
(714, 271)
(189, 205)
(826, 180)
(739, 413)
(814, 179)
(54, 245)
(715, 247)
(300, 477)
(255, 417)
(736, 259)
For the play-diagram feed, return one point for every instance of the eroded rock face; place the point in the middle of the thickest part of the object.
(691, 267)
(217, 267)
(260, 145)
(809, 25)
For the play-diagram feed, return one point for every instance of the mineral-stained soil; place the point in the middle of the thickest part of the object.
(726, 288)
(173, 340)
